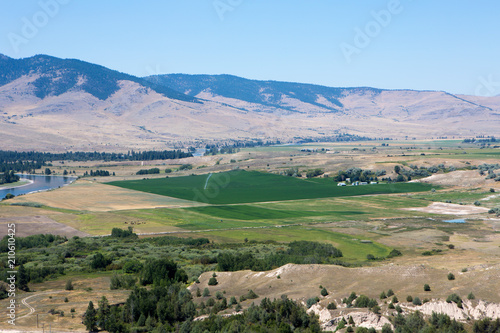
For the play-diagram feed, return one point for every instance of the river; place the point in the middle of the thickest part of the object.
(39, 183)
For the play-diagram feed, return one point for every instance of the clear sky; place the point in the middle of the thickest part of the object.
(451, 45)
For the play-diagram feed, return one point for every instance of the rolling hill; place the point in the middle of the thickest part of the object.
(54, 104)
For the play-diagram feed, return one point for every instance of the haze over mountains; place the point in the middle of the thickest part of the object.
(57, 104)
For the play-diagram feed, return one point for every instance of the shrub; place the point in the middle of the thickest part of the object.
(383, 295)
(324, 292)
(331, 306)
(251, 295)
(206, 292)
(409, 298)
(391, 306)
(232, 301)
(390, 293)
(453, 298)
(398, 309)
(417, 301)
(213, 281)
(219, 295)
(427, 287)
(311, 301)
(471, 296)
(69, 285)
(210, 302)
(451, 276)
(395, 299)
(477, 203)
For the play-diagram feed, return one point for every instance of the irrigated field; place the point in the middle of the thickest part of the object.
(243, 187)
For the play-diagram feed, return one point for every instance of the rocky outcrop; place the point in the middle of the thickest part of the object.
(361, 319)
(472, 310)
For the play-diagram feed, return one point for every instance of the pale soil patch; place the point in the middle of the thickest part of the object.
(38, 224)
(462, 178)
(96, 197)
(449, 209)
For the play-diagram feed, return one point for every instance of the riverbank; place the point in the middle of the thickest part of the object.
(20, 183)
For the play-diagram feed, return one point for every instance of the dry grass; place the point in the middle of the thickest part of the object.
(85, 195)
(51, 295)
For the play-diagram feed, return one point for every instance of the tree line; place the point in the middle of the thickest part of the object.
(8, 156)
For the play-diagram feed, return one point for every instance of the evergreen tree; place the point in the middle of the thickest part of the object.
(23, 279)
(90, 318)
(103, 313)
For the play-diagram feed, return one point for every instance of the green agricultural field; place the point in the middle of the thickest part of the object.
(352, 248)
(252, 186)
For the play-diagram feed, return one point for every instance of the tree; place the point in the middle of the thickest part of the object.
(397, 169)
(390, 292)
(23, 279)
(206, 292)
(90, 318)
(69, 285)
(471, 296)
(324, 292)
(451, 276)
(383, 295)
(427, 287)
(47, 171)
(103, 313)
(212, 281)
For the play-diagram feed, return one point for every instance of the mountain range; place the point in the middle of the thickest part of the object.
(52, 104)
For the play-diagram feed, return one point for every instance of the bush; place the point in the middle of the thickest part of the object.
(311, 301)
(213, 281)
(69, 285)
(451, 276)
(395, 299)
(390, 293)
(391, 306)
(417, 301)
(453, 298)
(477, 203)
(324, 292)
(409, 298)
(251, 295)
(331, 306)
(471, 296)
(206, 292)
(427, 287)
(186, 167)
(383, 295)
(394, 253)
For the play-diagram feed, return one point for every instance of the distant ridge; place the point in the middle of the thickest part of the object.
(57, 104)
(58, 76)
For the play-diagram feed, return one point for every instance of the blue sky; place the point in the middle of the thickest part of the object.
(395, 44)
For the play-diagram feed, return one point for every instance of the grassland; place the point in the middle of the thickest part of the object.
(245, 187)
